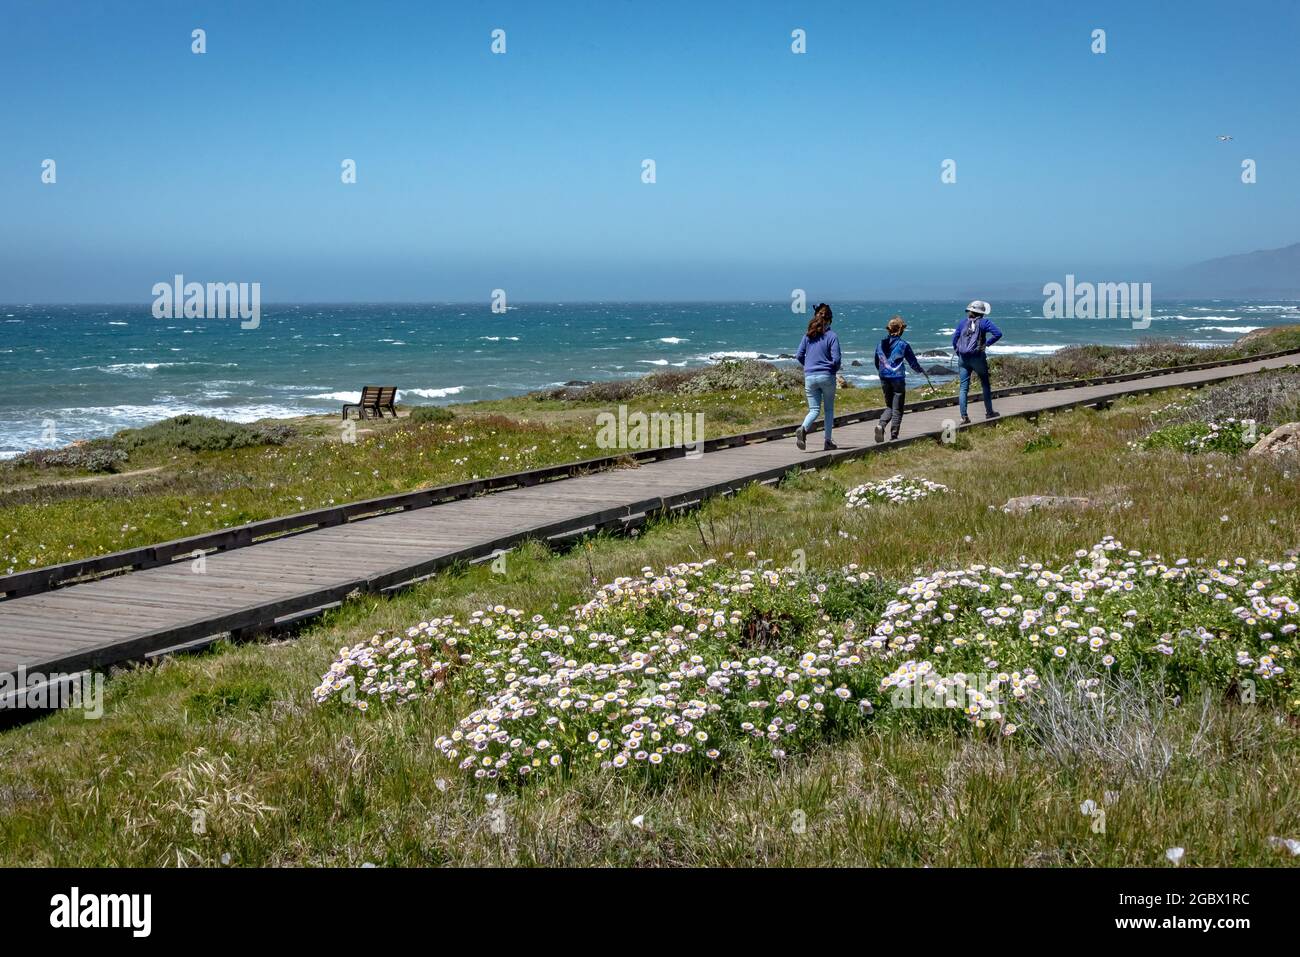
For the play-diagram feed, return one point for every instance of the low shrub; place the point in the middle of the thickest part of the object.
(431, 413)
(1041, 441)
(1088, 362)
(201, 433)
(729, 375)
(85, 457)
(1230, 438)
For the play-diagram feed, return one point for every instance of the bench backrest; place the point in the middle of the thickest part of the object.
(387, 394)
(370, 394)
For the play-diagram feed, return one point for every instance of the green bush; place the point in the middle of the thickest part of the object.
(1194, 437)
(201, 433)
(729, 375)
(741, 375)
(1088, 362)
(1041, 441)
(432, 413)
(86, 457)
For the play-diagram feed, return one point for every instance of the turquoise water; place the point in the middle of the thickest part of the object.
(74, 372)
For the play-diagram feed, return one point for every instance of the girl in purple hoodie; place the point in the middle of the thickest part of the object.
(819, 354)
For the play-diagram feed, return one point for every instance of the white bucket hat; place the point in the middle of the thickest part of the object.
(979, 306)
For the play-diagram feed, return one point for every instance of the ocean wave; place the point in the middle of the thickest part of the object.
(652, 362)
(1200, 318)
(136, 370)
(499, 338)
(735, 354)
(673, 340)
(433, 393)
(1026, 350)
(1236, 329)
(337, 396)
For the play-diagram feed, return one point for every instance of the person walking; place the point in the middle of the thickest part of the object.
(893, 355)
(970, 340)
(819, 354)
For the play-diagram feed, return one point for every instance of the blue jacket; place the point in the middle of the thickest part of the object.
(988, 334)
(820, 356)
(890, 356)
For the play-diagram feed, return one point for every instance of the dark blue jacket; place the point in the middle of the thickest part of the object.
(820, 356)
(891, 355)
(988, 334)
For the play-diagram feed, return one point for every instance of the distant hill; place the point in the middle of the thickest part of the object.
(1263, 274)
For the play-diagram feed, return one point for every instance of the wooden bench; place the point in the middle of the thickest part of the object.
(374, 400)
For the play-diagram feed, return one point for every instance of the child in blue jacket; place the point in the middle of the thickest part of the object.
(893, 355)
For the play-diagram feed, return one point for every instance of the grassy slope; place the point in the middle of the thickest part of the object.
(284, 782)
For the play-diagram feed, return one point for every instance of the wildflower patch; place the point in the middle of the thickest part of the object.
(663, 670)
(894, 490)
(1231, 437)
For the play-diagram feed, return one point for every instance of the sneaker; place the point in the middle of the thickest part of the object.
(880, 431)
(965, 420)
(801, 438)
(829, 447)
(992, 415)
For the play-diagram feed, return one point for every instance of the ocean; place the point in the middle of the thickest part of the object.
(75, 372)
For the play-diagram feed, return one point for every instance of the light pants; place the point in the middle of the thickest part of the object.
(979, 365)
(820, 392)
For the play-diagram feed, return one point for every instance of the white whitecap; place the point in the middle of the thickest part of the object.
(433, 393)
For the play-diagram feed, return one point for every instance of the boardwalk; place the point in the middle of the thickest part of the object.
(142, 613)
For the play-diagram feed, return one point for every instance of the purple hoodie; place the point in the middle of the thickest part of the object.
(820, 356)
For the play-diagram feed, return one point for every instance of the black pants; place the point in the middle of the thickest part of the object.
(895, 395)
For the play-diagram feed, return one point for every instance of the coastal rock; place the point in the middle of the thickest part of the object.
(856, 362)
(574, 382)
(1284, 440)
(842, 383)
(933, 352)
(1029, 503)
(939, 370)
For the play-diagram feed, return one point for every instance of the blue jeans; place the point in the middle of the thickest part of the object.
(978, 364)
(820, 392)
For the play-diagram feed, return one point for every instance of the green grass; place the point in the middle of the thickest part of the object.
(233, 733)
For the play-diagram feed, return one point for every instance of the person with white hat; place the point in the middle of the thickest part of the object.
(970, 340)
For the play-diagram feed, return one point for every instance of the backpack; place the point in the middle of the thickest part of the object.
(971, 338)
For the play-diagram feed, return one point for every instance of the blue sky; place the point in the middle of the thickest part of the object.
(523, 171)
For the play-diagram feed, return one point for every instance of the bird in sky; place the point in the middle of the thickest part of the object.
(1224, 139)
